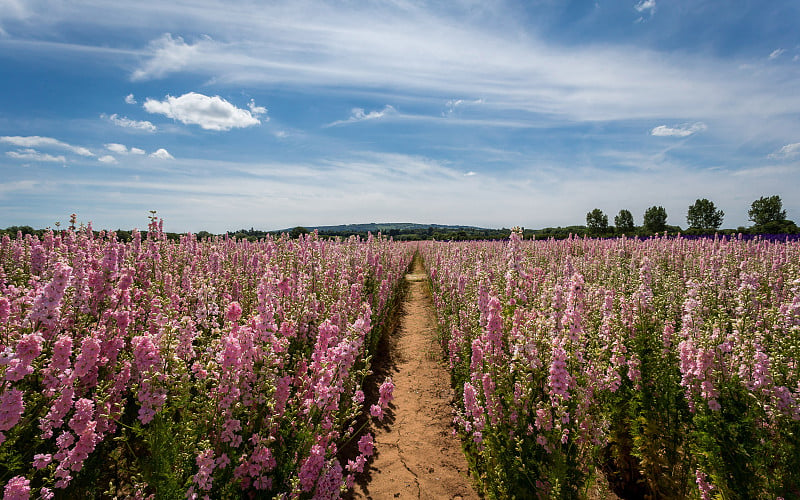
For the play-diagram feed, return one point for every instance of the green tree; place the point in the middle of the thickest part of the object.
(597, 222)
(765, 210)
(624, 221)
(655, 219)
(297, 232)
(704, 215)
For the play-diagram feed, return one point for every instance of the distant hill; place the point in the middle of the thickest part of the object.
(397, 230)
(384, 227)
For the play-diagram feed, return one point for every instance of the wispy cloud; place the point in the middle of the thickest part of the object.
(168, 54)
(33, 155)
(107, 159)
(124, 122)
(36, 141)
(776, 54)
(789, 151)
(359, 115)
(314, 44)
(210, 113)
(256, 110)
(453, 104)
(684, 130)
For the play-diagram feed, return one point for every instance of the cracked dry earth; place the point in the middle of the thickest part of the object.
(417, 455)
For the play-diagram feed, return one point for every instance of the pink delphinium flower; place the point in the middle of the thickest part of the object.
(11, 408)
(234, 312)
(703, 485)
(559, 379)
(5, 309)
(366, 445)
(386, 390)
(376, 411)
(206, 464)
(17, 488)
(311, 468)
(87, 359)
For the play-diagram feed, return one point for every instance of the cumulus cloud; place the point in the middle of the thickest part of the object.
(122, 149)
(107, 159)
(117, 148)
(684, 130)
(162, 154)
(787, 152)
(35, 141)
(122, 121)
(168, 54)
(130, 99)
(776, 54)
(359, 115)
(210, 113)
(33, 155)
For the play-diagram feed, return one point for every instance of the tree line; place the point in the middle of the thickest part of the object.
(702, 217)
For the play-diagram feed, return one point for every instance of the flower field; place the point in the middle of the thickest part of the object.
(670, 366)
(224, 368)
(218, 368)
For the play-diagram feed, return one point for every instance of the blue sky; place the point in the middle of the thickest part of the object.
(237, 115)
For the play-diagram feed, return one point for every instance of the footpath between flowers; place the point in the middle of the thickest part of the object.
(416, 454)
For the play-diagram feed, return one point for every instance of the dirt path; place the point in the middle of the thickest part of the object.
(416, 454)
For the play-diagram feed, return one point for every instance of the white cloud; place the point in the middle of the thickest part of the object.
(358, 115)
(168, 55)
(210, 113)
(130, 99)
(453, 104)
(470, 174)
(684, 130)
(787, 152)
(107, 159)
(643, 5)
(117, 148)
(162, 154)
(33, 155)
(122, 149)
(776, 54)
(256, 110)
(122, 121)
(36, 141)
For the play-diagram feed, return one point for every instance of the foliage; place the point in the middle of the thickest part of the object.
(596, 222)
(655, 219)
(704, 215)
(624, 222)
(766, 209)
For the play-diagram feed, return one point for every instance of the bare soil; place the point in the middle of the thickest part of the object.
(417, 455)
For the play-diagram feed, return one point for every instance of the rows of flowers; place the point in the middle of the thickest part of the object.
(669, 366)
(215, 368)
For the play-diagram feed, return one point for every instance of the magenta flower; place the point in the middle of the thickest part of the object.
(11, 408)
(366, 445)
(17, 488)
